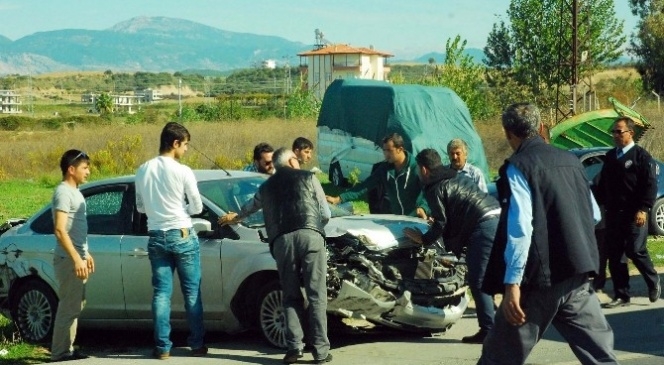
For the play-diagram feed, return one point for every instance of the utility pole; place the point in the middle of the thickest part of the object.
(180, 98)
(568, 66)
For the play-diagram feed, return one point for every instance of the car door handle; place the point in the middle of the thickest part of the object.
(138, 252)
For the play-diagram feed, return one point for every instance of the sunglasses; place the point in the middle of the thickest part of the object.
(81, 155)
(619, 132)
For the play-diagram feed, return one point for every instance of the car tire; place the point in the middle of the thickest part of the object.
(33, 311)
(270, 314)
(657, 218)
(336, 176)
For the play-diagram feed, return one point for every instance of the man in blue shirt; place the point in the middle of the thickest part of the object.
(547, 244)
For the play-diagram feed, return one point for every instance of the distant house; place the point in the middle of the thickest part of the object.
(125, 103)
(10, 102)
(149, 95)
(326, 63)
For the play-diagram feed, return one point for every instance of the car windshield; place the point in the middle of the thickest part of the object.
(231, 194)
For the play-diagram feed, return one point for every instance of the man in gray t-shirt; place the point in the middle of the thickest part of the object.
(69, 200)
(71, 260)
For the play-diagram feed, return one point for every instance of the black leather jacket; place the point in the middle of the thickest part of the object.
(290, 203)
(457, 204)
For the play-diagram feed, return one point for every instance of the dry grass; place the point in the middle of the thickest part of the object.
(36, 154)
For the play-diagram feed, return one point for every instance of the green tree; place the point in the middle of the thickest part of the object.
(541, 31)
(460, 73)
(302, 104)
(648, 43)
(499, 48)
(104, 104)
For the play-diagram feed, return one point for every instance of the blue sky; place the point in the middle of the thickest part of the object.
(404, 28)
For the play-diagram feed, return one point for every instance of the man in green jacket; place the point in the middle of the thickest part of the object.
(398, 177)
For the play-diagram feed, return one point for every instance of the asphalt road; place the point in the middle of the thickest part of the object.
(639, 339)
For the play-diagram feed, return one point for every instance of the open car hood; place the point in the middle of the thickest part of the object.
(593, 128)
(376, 231)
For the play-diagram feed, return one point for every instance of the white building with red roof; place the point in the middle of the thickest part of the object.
(328, 62)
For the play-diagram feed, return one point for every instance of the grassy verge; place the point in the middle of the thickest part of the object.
(14, 351)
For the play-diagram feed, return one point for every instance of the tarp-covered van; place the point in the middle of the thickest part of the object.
(356, 114)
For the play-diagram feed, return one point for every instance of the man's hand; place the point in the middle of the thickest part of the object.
(511, 305)
(640, 218)
(421, 213)
(91, 264)
(81, 268)
(414, 234)
(333, 199)
(230, 218)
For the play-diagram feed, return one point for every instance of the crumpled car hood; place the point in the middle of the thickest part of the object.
(376, 231)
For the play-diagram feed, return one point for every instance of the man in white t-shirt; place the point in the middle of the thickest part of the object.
(71, 260)
(163, 188)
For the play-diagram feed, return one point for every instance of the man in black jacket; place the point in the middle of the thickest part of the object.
(627, 188)
(463, 215)
(295, 212)
(546, 245)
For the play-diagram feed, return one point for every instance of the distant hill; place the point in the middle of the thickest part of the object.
(476, 54)
(154, 44)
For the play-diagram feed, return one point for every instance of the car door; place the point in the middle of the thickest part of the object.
(137, 272)
(107, 216)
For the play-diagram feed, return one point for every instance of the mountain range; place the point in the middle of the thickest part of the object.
(151, 44)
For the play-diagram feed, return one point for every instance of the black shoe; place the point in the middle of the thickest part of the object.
(476, 338)
(618, 302)
(292, 356)
(655, 293)
(159, 355)
(199, 352)
(328, 358)
(76, 355)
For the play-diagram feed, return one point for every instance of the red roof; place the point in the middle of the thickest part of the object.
(331, 49)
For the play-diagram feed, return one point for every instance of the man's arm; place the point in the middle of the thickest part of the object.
(361, 188)
(326, 214)
(519, 234)
(519, 226)
(195, 205)
(439, 217)
(61, 234)
(140, 203)
(250, 207)
(481, 182)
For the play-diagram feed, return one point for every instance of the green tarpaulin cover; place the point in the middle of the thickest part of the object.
(425, 116)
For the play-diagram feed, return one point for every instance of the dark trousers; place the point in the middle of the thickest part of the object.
(479, 251)
(573, 309)
(600, 280)
(302, 263)
(625, 240)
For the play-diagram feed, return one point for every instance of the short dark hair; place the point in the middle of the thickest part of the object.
(260, 149)
(301, 143)
(396, 139)
(629, 122)
(428, 158)
(72, 158)
(522, 120)
(172, 132)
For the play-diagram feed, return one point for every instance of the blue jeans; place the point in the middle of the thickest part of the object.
(168, 251)
(477, 258)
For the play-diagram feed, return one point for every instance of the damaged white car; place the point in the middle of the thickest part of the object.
(374, 272)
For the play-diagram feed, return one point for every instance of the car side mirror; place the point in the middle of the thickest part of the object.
(202, 227)
(226, 231)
